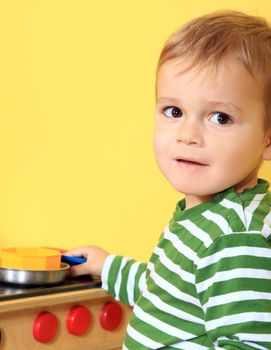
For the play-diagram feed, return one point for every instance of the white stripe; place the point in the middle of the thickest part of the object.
(119, 277)
(236, 207)
(219, 220)
(196, 232)
(234, 252)
(142, 339)
(254, 337)
(142, 281)
(168, 309)
(187, 345)
(236, 297)
(266, 230)
(131, 283)
(267, 219)
(253, 345)
(238, 318)
(106, 267)
(170, 289)
(170, 265)
(160, 325)
(231, 274)
(249, 210)
(178, 245)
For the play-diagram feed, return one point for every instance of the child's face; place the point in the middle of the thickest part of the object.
(209, 132)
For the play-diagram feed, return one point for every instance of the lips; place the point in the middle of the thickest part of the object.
(190, 162)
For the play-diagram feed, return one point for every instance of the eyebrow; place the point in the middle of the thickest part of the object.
(213, 104)
(168, 99)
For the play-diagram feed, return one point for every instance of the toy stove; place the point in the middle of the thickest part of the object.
(75, 314)
(15, 291)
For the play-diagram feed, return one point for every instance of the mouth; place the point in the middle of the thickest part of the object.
(190, 162)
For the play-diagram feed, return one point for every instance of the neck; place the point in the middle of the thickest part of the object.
(192, 200)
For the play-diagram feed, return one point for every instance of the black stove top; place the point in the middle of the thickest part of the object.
(14, 291)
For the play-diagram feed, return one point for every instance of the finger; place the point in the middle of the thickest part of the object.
(78, 270)
(78, 252)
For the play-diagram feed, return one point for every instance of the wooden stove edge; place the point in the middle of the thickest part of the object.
(52, 299)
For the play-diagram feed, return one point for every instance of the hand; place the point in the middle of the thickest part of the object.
(95, 260)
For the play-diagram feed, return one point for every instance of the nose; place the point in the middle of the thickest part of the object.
(189, 133)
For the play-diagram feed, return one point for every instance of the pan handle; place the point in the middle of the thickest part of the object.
(72, 260)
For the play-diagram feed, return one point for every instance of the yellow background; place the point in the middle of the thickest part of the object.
(76, 103)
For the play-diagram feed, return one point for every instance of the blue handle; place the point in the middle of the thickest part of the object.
(72, 260)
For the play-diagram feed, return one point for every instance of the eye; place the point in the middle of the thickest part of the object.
(172, 112)
(220, 118)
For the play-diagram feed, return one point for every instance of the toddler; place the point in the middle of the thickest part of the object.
(207, 284)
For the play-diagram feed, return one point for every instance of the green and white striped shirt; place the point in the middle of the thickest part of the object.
(208, 282)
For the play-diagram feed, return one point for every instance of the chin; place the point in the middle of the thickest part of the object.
(197, 191)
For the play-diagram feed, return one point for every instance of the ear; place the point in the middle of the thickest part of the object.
(267, 150)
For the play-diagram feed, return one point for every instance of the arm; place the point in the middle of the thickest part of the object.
(122, 277)
(233, 281)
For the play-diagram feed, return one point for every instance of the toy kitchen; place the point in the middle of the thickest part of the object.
(41, 309)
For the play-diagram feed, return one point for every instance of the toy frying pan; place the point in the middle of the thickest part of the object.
(34, 277)
(39, 277)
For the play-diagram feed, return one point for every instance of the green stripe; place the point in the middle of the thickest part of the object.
(238, 307)
(262, 210)
(140, 271)
(113, 274)
(130, 343)
(249, 327)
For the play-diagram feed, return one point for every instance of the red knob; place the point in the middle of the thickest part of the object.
(110, 316)
(78, 320)
(45, 327)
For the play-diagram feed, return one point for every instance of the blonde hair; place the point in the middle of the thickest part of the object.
(210, 38)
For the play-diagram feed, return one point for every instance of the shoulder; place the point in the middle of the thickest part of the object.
(226, 220)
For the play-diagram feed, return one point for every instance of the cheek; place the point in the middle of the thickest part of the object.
(239, 155)
(158, 150)
(159, 142)
(161, 148)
